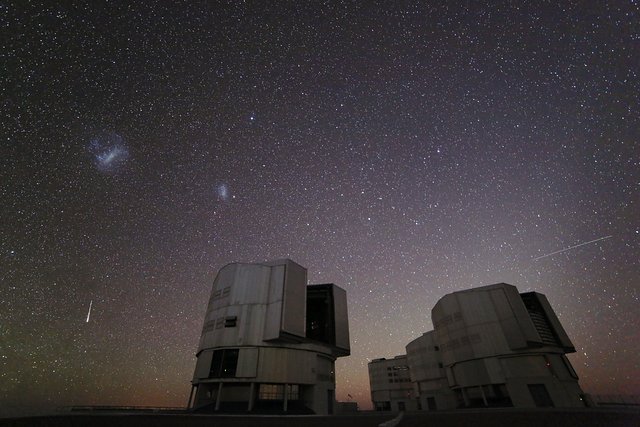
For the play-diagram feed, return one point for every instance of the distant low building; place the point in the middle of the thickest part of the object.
(491, 347)
(390, 382)
(269, 341)
(346, 407)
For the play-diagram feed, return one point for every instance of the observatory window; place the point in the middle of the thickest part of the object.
(230, 321)
(216, 361)
(276, 391)
(229, 363)
(540, 395)
(271, 392)
(219, 322)
(540, 320)
(320, 320)
(224, 363)
(293, 392)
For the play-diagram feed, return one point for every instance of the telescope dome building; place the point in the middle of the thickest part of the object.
(491, 346)
(269, 341)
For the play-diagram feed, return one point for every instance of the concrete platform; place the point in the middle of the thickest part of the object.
(484, 418)
(525, 418)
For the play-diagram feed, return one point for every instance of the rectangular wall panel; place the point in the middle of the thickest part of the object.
(341, 318)
(295, 300)
(247, 363)
(273, 319)
(203, 365)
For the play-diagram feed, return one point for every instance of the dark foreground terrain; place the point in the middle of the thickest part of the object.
(485, 418)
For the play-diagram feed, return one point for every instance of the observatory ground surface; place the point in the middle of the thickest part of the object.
(616, 417)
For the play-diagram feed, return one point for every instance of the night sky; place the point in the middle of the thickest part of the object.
(402, 150)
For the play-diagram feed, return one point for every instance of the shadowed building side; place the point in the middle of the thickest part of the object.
(428, 374)
(269, 341)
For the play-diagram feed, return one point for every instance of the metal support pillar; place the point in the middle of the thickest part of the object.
(484, 397)
(193, 387)
(252, 395)
(218, 396)
(286, 396)
(465, 397)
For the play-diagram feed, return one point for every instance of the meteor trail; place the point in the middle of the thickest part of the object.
(89, 313)
(572, 247)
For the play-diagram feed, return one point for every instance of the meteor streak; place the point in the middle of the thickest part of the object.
(572, 247)
(89, 313)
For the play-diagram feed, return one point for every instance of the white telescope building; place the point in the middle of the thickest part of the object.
(270, 341)
(491, 347)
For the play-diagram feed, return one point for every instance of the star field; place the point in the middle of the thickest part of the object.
(401, 151)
